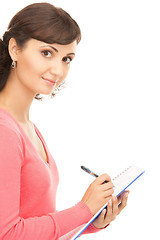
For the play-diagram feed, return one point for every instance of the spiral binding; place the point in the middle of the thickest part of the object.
(124, 171)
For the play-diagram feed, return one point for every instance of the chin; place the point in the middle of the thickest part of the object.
(45, 93)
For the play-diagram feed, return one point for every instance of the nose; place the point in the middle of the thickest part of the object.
(57, 69)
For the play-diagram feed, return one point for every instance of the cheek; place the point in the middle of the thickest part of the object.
(29, 68)
(65, 72)
(64, 75)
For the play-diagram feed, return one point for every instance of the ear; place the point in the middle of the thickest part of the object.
(13, 49)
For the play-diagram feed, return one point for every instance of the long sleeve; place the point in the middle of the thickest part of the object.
(48, 226)
(12, 226)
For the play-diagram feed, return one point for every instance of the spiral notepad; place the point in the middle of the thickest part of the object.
(121, 182)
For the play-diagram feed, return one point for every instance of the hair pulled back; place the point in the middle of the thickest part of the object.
(40, 21)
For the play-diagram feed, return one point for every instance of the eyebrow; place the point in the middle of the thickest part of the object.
(55, 49)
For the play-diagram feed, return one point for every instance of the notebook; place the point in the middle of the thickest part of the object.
(121, 182)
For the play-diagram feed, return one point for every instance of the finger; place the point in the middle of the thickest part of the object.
(102, 178)
(115, 205)
(109, 208)
(108, 193)
(103, 214)
(99, 222)
(106, 186)
(103, 217)
(120, 197)
(123, 204)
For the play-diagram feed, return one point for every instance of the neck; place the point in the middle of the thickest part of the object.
(16, 99)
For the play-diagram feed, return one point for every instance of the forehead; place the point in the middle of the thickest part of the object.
(69, 48)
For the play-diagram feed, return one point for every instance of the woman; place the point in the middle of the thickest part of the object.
(35, 56)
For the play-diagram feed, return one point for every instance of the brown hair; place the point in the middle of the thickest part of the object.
(40, 21)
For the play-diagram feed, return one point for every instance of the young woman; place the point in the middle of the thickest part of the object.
(35, 56)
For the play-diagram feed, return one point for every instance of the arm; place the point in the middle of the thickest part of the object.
(12, 225)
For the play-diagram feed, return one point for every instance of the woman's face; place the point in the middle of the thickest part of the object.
(42, 67)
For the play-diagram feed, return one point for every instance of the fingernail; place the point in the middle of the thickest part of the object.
(110, 202)
(114, 198)
(104, 211)
(126, 195)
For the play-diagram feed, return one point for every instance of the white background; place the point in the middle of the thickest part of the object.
(108, 117)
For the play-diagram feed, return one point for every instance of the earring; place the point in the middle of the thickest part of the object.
(13, 64)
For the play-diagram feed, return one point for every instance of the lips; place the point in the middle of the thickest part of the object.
(49, 81)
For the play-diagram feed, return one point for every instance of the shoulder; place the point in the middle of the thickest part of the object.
(11, 140)
(8, 126)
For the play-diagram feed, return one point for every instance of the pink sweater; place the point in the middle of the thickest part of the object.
(28, 188)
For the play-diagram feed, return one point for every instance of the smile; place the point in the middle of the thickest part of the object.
(50, 82)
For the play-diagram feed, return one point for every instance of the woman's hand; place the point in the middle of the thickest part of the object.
(98, 193)
(114, 207)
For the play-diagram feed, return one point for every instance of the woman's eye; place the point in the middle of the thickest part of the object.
(46, 53)
(67, 60)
